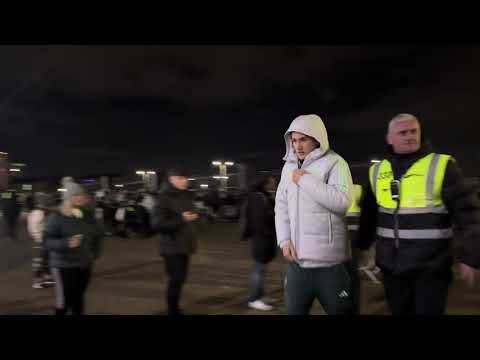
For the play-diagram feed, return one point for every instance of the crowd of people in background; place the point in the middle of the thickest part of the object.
(83, 218)
(321, 222)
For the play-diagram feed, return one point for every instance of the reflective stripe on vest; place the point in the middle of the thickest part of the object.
(353, 213)
(417, 234)
(354, 210)
(426, 210)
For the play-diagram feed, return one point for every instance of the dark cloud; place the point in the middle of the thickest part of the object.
(78, 108)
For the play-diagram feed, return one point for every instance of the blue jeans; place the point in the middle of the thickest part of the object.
(331, 286)
(257, 282)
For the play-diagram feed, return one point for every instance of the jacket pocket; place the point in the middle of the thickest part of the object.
(317, 228)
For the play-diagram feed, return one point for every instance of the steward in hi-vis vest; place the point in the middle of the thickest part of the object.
(407, 209)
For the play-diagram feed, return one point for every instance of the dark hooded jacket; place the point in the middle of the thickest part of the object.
(260, 223)
(60, 227)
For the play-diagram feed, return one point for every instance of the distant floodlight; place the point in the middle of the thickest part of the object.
(119, 185)
(229, 163)
(204, 186)
(151, 172)
(140, 172)
(15, 170)
(62, 190)
(216, 163)
(375, 161)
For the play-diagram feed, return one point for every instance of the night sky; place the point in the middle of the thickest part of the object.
(75, 110)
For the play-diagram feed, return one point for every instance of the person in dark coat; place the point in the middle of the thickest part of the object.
(73, 238)
(174, 219)
(260, 229)
(11, 211)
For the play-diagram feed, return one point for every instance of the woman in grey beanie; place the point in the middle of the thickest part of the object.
(73, 237)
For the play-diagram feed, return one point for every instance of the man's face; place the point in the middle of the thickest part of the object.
(302, 144)
(404, 137)
(179, 182)
(79, 201)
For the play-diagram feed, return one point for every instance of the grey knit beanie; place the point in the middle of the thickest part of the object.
(73, 189)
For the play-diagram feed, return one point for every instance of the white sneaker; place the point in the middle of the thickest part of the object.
(268, 300)
(48, 280)
(260, 305)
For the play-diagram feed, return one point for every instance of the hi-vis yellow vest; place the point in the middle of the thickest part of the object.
(357, 195)
(353, 212)
(421, 213)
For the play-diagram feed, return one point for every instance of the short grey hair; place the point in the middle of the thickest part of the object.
(400, 118)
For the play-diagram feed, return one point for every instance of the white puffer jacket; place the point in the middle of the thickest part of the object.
(312, 214)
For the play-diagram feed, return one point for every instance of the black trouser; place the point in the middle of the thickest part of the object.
(11, 227)
(418, 293)
(177, 268)
(40, 266)
(352, 267)
(70, 287)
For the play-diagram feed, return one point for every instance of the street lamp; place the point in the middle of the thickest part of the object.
(146, 179)
(222, 169)
(143, 174)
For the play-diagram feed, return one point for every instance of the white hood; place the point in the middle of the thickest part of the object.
(311, 125)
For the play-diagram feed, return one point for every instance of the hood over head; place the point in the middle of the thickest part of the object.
(311, 125)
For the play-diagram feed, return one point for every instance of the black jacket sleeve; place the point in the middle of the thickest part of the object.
(463, 203)
(53, 239)
(165, 220)
(368, 219)
(257, 214)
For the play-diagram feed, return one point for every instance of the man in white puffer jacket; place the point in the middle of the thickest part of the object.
(312, 200)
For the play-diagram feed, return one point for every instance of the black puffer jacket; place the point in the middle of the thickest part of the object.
(464, 209)
(175, 236)
(59, 228)
(260, 224)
